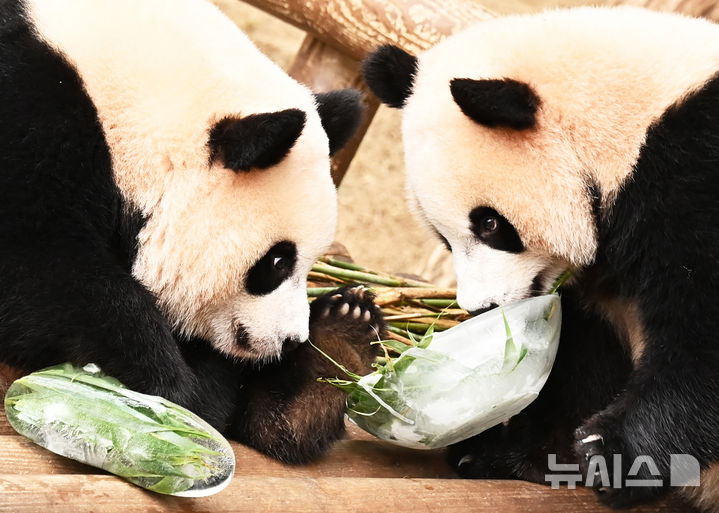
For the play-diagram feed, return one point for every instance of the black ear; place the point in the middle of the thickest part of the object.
(255, 141)
(493, 103)
(389, 72)
(341, 112)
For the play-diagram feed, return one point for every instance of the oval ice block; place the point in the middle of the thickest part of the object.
(92, 418)
(468, 379)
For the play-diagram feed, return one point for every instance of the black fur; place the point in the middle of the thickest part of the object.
(496, 103)
(66, 293)
(389, 72)
(538, 286)
(595, 197)
(255, 141)
(504, 237)
(341, 113)
(288, 413)
(67, 245)
(272, 268)
(658, 247)
(441, 237)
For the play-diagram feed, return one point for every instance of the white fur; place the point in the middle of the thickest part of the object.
(602, 76)
(160, 73)
(476, 268)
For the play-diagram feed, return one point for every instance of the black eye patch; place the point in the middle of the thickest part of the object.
(494, 230)
(272, 268)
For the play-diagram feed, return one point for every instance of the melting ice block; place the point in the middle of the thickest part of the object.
(468, 379)
(85, 415)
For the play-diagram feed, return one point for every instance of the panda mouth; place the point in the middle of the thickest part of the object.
(245, 347)
(480, 311)
(538, 287)
(242, 339)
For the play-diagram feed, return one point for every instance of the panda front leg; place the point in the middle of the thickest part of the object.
(78, 305)
(283, 410)
(668, 408)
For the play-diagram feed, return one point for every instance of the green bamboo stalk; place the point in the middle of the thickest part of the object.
(416, 327)
(344, 271)
(397, 331)
(355, 276)
(345, 265)
(408, 316)
(320, 291)
(439, 303)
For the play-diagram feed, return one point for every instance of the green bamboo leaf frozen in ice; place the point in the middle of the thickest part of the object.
(450, 385)
(85, 415)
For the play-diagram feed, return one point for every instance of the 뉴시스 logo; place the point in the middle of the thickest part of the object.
(684, 470)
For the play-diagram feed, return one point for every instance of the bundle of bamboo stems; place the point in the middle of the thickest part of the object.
(410, 306)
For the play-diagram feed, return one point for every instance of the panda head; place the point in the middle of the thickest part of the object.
(520, 131)
(224, 156)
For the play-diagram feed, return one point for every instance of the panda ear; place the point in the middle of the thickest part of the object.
(389, 72)
(493, 103)
(255, 141)
(340, 112)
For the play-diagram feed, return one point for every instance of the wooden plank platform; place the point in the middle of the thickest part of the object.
(360, 474)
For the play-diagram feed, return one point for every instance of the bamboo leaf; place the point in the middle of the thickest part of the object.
(84, 415)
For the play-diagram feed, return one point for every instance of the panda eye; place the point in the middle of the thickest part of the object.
(493, 230)
(280, 263)
(272, 268)
(490, 224)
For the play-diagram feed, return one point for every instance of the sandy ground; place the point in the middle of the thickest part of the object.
(374, 223)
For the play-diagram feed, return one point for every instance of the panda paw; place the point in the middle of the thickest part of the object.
(347, 317)
(353, 308)
(605, 462)
(484, 456)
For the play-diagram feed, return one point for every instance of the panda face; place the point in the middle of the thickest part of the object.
(269, 314)
(540, 119)
(224, 156)
(492, 264)
(495, 244)
(506, 242)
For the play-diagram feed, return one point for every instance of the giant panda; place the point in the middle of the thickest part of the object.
(583, 139)
(164, 190)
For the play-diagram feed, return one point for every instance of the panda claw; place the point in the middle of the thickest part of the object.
(467, 459)
(594, 437)
(353, 308)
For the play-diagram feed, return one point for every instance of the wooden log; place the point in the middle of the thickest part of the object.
(348, 458)
(21, 456)
(8, 374)
(358, 455)
(323, 68)
(77, 494)
(699, 8)
(356, 27)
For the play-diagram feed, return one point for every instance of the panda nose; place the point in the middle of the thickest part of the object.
(290, 344)
(482, 310)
